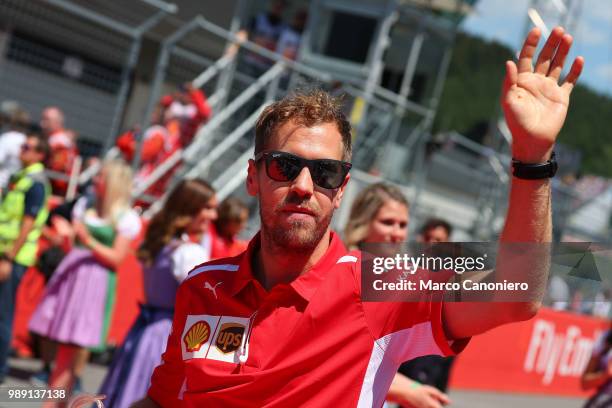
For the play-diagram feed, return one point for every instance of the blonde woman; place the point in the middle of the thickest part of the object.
(74, 311)
(380, 214)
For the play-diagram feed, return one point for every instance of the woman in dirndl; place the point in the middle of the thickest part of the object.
(76, 307)
(170, 250)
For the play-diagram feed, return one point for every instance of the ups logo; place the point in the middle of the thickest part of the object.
(229, 337)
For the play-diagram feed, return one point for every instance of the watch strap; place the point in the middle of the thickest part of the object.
(535, 171)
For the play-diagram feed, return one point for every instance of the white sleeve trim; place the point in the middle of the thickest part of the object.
(347, 259)
(129, 224)
(207, 268)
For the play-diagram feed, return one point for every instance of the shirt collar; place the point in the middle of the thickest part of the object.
(306, 284)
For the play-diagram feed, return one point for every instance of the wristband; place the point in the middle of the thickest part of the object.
(535, 171)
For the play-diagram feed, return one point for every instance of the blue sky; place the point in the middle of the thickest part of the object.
(504, 20)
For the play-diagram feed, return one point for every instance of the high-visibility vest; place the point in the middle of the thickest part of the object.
(12, 210)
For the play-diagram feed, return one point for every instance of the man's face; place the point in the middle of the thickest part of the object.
(29, 152)
(437, 234)
(295, 215)
(50, 121)
(234, 227)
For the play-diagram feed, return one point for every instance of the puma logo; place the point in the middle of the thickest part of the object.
(213, 289)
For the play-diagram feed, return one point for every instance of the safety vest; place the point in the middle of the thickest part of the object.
(12, 210)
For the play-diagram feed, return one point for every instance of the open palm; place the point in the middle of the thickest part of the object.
(534, 103)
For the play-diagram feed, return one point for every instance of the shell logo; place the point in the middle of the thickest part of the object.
(197, 335)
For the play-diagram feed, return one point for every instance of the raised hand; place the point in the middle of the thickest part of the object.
(534, 103)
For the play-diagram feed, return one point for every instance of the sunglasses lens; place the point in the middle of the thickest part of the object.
(283, 167)
(328, 174)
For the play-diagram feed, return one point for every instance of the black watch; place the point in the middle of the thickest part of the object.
(535, 171)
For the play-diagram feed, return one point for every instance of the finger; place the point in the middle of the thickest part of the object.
(557, 64)
(511, 77)
(432, 403)
(548, 52)
(528, 51)
(574, 74)
(443, 398)
(439, 395)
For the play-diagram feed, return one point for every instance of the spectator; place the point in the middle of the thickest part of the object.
(598, 373)
(23, 213)
(264, 30)
(167, 255)
(174, 124)
(290, 38)
(379, 214)
(73, 311)
(11, 140)
(186, 112)
(233, 216)
(63, 146)
(435, 230)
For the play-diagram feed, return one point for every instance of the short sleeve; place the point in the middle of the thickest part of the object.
(168, 379)
(4, 148)
(78, 211)
(185, 258)
(129, 224)
(34, 199)
(409, 329)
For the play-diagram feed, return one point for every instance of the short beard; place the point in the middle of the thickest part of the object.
(298, 238)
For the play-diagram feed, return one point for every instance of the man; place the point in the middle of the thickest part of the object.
(435, 230)
(11, 140)
(23, 213)
(283, 324)
(264, 29)
(291, 36)
(62, 144)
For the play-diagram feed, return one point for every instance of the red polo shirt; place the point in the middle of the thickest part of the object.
(312, 342)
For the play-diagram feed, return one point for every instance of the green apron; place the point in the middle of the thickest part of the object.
(105, 234)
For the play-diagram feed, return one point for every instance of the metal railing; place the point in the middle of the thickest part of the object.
(200, 141)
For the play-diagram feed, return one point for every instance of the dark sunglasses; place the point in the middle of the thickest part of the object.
(26, 147)
(283, 166)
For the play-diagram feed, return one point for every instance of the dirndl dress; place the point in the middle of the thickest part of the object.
(77, 304)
